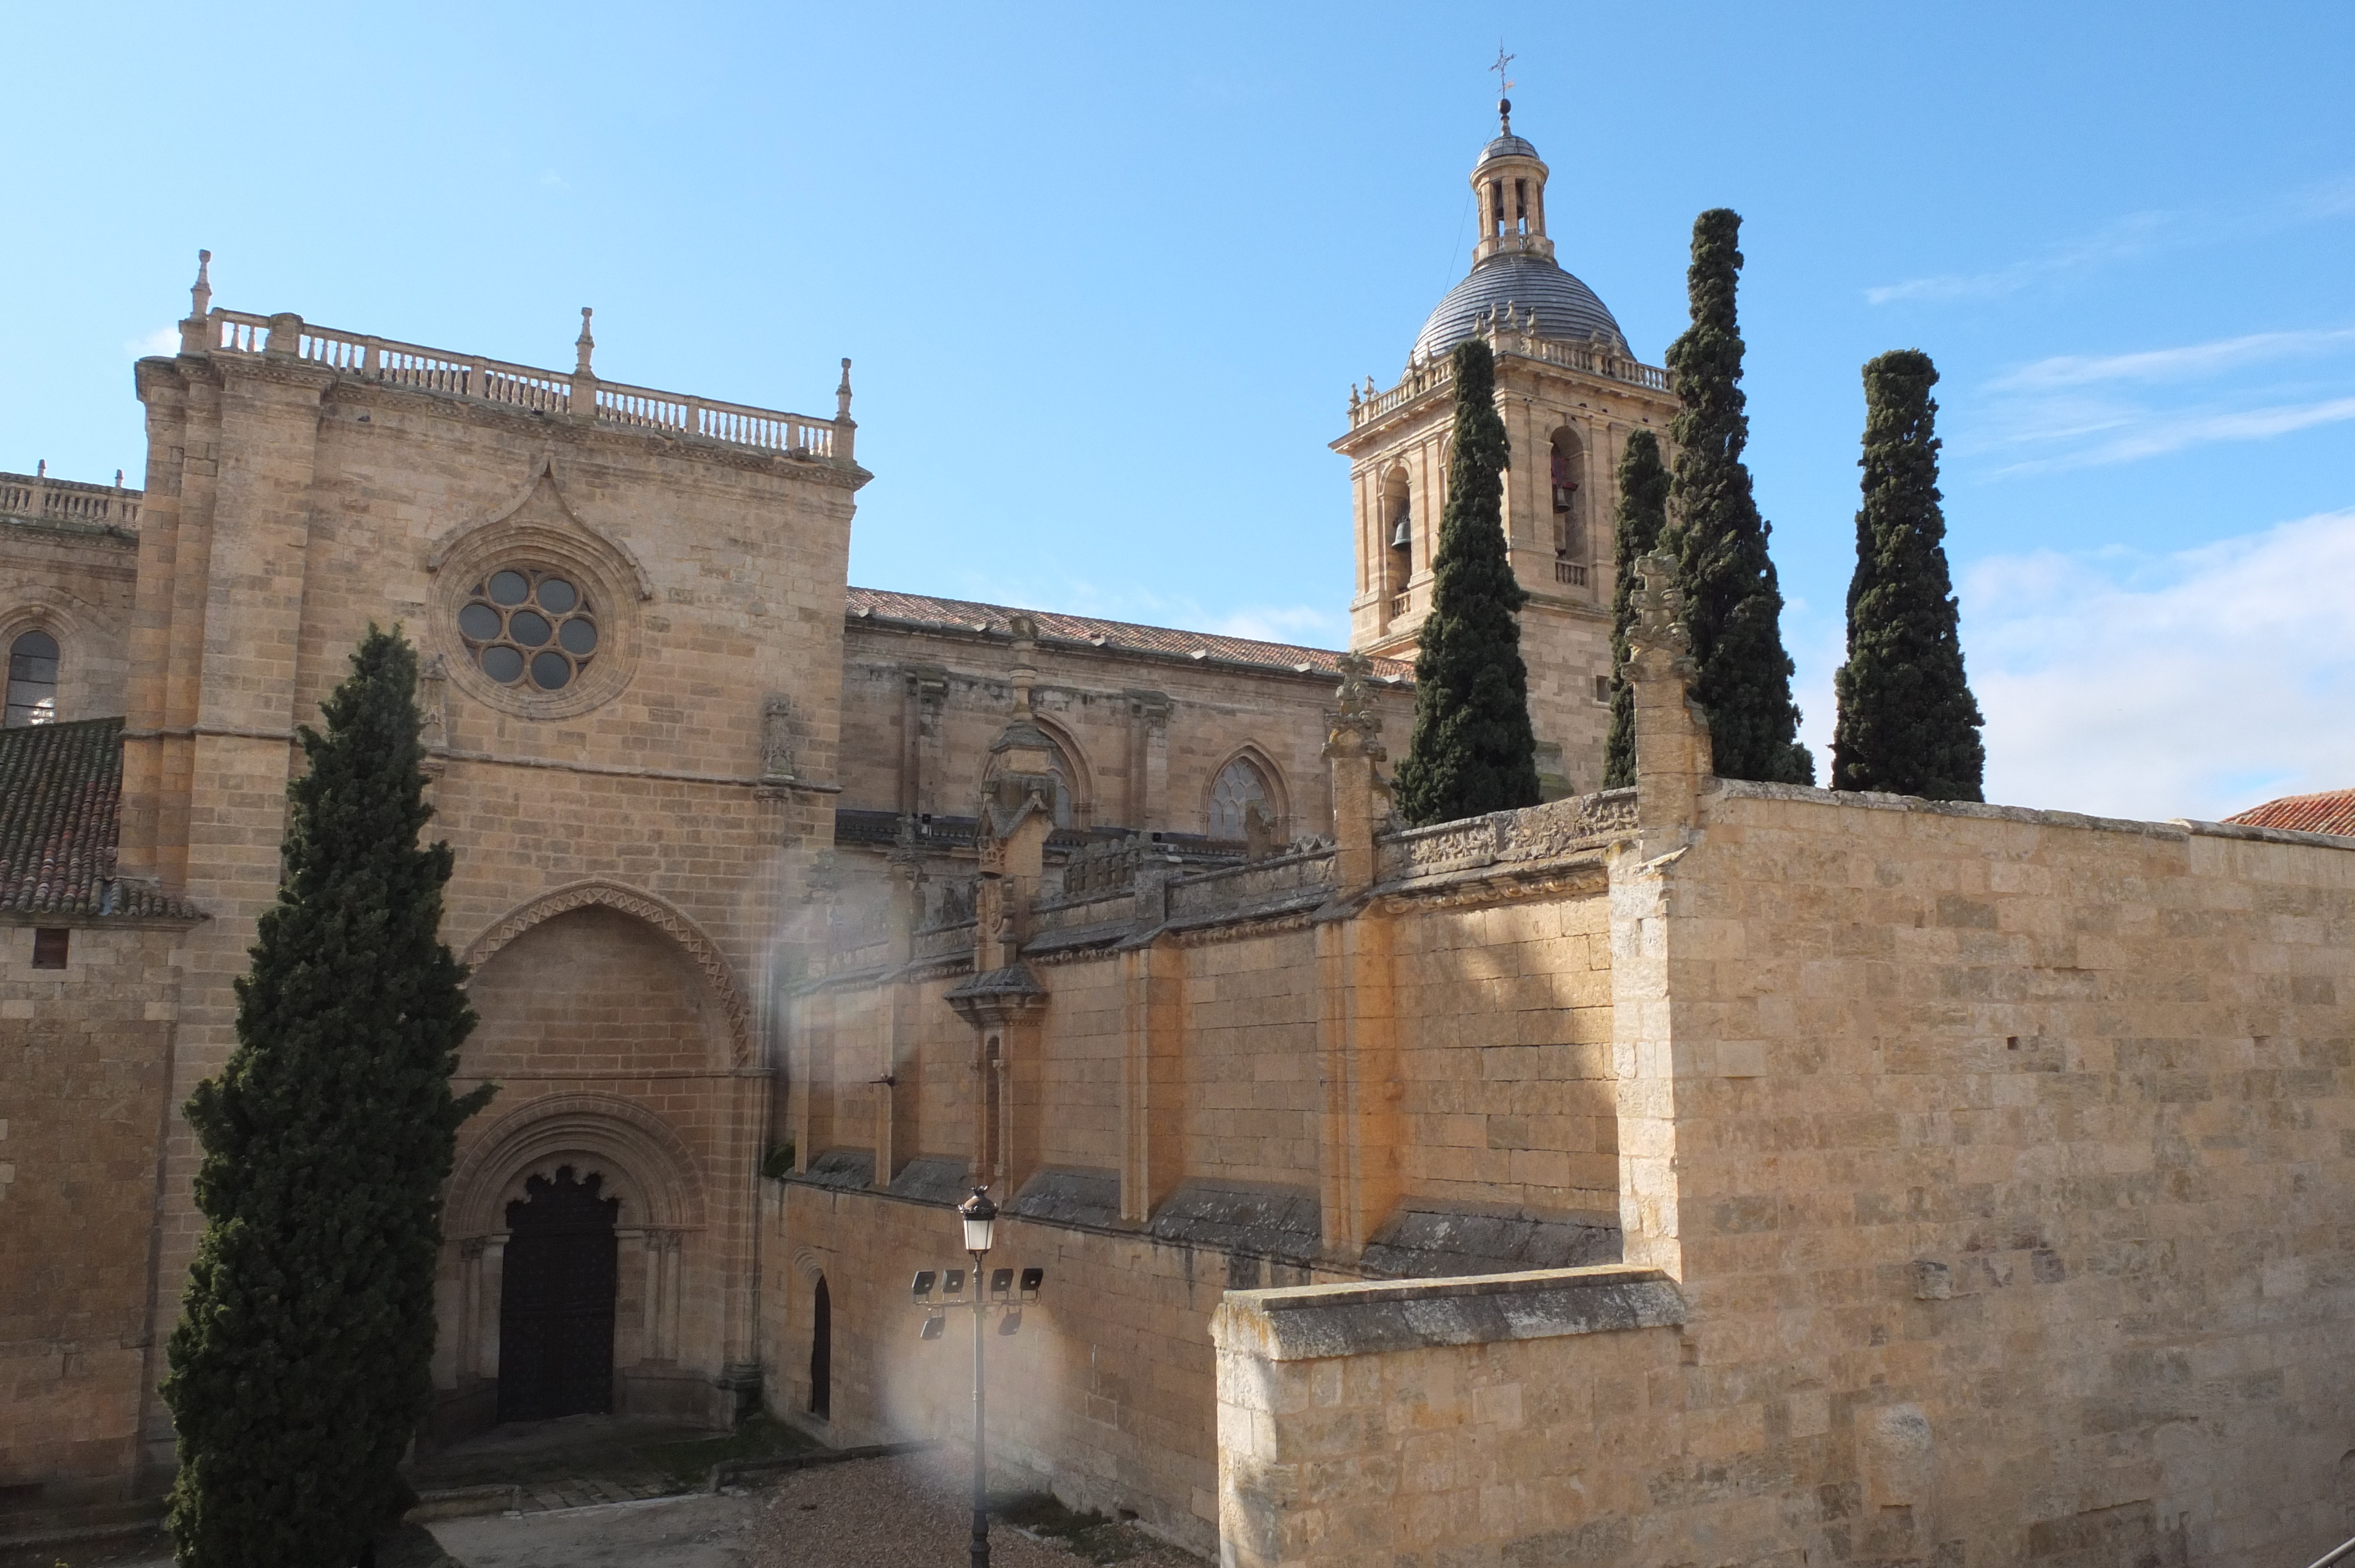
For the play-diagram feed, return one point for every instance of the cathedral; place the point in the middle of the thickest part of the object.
(1700, 1170)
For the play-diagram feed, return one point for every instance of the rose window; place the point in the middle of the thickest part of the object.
(529, 629)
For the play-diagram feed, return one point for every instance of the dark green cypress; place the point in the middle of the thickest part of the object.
(1734, 607)
(1634, 533)
(300, 1363)
(1908, 723)
(1472, 750)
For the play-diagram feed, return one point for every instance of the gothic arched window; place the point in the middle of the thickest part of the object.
(32, 680)
(1239, 786)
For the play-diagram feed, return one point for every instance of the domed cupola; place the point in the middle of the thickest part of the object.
(1513, 267)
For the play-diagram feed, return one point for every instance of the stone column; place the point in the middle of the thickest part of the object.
(1672, 747)
(1152, 1090)
(926, 688)
(1353, 754)
(1360, 1133)
(1148, 761)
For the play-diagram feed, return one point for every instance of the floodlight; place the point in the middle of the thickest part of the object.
(955, 1284)
(1001, 1284)
(1031, 1279)
(1009, 1321)
(923, 1289)
(934, 1324)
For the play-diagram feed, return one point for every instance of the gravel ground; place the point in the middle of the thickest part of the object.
(902, 1513)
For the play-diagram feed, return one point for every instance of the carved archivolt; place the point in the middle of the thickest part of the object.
(712, 964)
(808, 1265)
(642, 1159)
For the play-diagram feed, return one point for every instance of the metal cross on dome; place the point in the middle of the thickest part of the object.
(1503, 83)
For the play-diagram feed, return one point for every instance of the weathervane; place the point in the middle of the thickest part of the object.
(1504, 86)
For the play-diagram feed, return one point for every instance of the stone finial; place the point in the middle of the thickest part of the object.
(41, 469)
(1659, 606)
(842, 393)
(1672, 745)
(196, 332)
(1354, 401)
(584, 346)
(1353, 752)
(1025, 649)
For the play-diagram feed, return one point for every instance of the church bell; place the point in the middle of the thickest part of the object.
(1402, 532)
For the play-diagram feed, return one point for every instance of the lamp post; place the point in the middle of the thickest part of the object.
(1004, 1292)
(980, 1217)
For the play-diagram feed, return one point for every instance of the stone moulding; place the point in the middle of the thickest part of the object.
(653, 1172)
(1316, 1323)
(702, 950)
(1536, 833)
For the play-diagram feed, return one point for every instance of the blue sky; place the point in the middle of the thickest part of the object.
(1108, 274)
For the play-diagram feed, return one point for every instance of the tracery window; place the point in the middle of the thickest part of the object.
(1239, 783)
(32, 680)
(530, 628)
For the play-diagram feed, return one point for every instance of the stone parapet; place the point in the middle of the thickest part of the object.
(1318, 1322)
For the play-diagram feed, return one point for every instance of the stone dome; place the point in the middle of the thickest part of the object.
(1507, 146)
(1567, 309)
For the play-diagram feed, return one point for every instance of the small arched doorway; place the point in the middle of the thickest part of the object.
(556, 1300)
(822, 1352)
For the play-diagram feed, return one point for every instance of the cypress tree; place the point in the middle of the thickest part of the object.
(1908, 724)
(299, 1366)
(1734, 607)
(1636, 533)
(1472, 750)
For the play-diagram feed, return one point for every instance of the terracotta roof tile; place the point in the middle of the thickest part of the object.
(1120, 636)
(60, 797)
(2332, 811)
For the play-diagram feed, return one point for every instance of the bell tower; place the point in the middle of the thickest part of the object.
(1571, 392)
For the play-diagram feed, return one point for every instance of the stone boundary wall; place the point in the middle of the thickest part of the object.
(2003, 1162)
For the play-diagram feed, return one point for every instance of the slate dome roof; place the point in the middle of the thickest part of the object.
(1507, 146)
(1567, 309)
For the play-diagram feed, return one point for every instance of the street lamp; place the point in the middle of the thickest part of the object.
(980, 1217)
(997, 1289)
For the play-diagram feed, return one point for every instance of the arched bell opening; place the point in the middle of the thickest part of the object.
(1566, 489)
(1395, 519)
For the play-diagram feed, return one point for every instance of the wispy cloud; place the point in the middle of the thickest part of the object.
(2073, 411)
(2129, 238)
(1287, 623)
(2171, 364)
(2189, 686)
(163, 339)
(2158, 436)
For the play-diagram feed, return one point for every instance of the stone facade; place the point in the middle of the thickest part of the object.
(1700, 1171)
(68, 553)
(1975, 1180)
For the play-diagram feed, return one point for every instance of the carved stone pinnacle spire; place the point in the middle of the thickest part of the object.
(584, 346)
(200, 294)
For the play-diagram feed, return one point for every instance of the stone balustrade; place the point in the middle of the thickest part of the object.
(39, 498)
(393, 364)
(1434, 374)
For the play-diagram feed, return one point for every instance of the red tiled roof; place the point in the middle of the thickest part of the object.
(61, 799)
(1120, 636)
(2332, 811)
